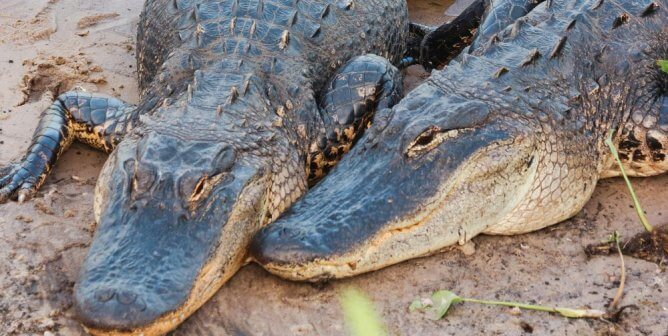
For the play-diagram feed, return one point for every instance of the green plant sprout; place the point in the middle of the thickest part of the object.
(441, 301)
(360, 315)
(663, 64)
(636, 202)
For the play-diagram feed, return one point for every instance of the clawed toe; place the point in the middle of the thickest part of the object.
(13, 183)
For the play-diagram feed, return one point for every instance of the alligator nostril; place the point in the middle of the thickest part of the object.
(126, 297)
(104, 295)
(139, 304)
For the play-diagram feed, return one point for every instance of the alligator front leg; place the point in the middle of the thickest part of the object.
(364, 85)
(94, 119)
(434, 46)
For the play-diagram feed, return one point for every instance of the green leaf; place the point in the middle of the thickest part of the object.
(360, 314)
(416, 305)
(442, 301)
(663, 64)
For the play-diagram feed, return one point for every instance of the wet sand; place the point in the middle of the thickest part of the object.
(49, 46)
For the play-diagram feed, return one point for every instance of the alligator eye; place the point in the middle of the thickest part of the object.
(200, 187)
(193, 187)
(430, 139)
(196, 187)
(425, 141)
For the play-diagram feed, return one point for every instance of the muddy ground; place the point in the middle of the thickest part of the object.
(53, 45)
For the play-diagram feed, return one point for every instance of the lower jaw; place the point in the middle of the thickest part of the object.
(211, 279)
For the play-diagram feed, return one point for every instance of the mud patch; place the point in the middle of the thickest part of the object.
(652, 247)
(92, 20)
(54, 75)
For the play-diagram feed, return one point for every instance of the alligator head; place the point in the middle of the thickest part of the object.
(435, 170)
(174, 220)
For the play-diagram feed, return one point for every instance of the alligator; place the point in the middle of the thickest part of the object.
(243, 104)
(508, 138)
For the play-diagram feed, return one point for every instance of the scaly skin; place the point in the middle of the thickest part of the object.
(508, 139)
(242, 103)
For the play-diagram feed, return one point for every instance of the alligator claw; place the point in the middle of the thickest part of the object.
(15, 181)
(23, 196)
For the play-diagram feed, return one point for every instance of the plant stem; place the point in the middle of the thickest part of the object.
(566, 312)
(512, 304)
(636, 203)
(622, 278)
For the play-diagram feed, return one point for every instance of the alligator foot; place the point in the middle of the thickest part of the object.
(363, 86)
(7, 174)
(90, 118)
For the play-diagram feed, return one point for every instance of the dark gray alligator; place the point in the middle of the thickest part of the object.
(243, 102)
(507, 139)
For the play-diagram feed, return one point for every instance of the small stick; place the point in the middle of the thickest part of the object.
(622, 279)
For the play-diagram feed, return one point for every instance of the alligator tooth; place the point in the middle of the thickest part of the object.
(233, 23)
(285, 38)
(557, 47)
(219, 110)
(190, 92)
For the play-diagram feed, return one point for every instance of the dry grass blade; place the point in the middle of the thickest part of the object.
(622, 278)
